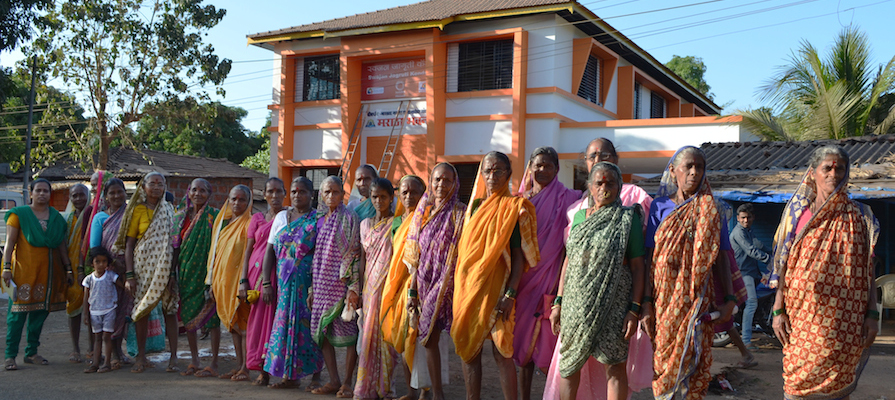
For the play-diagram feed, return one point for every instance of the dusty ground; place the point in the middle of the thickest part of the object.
(64, 380)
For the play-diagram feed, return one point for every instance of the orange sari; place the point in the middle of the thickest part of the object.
(393, 312)
(225, 266)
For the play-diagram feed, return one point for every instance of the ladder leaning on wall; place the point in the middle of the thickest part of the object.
(391, 144)
(353, 142)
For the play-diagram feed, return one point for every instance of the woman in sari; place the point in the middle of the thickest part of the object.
(533, 340)
(376, 359)
(335, 285)
(144, 237)
(78, 212)
(393, 313)
(602, 287)
(363, 178)
(261, 313)
(225, 259)
(825, 311)
(686, 236)
(191, 239)
(498, 244)
(36, 260)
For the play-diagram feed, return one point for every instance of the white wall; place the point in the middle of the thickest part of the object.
(318, 115)
(479, 137)
(467, 107)
(648, 138)
(315, 144)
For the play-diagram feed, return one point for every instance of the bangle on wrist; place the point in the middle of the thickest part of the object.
(510, 293)
(635, 314)
(730, 298)
(412, 293)
(779, 311)
(873, 314)
(130, 275)
(635, 308)
(646, 299)
(555, 306)
(265, 284)
(243, 280)
(557, 301)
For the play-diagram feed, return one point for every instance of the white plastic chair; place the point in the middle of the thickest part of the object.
(886, 294)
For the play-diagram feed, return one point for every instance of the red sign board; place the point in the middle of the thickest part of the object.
(395, 79)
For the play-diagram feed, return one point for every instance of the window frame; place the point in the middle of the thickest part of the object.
(501, 76)
(333, 91)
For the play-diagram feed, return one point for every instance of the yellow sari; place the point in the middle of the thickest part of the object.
(393, 313)
(74, 296)
(225, 266)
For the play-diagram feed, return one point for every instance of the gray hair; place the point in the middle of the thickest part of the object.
(332, 179)
(370, 168)
(244, 189)
(300, 180)
(546, 151)
(500, 157)
(202, 181)
(415, 179)
(154, 173)
(688, 151)
(821, 153)
(79, 186)
(605, 166)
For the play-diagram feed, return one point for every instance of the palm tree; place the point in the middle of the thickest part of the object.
(832, 98)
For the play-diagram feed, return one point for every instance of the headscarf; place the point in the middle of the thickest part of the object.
(96, 205)
(225, 259)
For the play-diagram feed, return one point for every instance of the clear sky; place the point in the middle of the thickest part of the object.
(742, 42)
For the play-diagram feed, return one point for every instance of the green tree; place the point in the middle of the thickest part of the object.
(692, 70)
(831, 97)
(119, 55)
(17, 17)
(260, 161)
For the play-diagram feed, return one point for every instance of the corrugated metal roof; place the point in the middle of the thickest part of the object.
(751, 156)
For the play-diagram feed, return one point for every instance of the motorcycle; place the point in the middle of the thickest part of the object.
(762, 320)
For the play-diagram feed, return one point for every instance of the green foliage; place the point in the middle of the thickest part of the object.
(17, 18)
(260, 161)
(692, 70)
(832, 97)
(199, 129)
(119, 55)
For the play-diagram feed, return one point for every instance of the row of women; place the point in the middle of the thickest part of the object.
(607, 292)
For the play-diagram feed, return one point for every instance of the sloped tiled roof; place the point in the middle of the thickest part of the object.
(758, 156)
(432, 10)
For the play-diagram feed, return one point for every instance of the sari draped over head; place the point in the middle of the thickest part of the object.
(687, 245)
(533, 338)
(826, 269)
(97, 204)
(334, 273)
(110, 229)
(365, 210)
(75, 221)
(483, 268)
(152, 256)
(36, 264)
(376, 359)
(192, 235)
(291, 352)
(225, 258)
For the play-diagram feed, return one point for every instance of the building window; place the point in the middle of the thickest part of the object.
(321, 78)
(657, 106)
(485, 65)
(590, 82)
(637, 91)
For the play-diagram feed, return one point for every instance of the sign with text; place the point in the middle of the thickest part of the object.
(388, 118)
(395, 79)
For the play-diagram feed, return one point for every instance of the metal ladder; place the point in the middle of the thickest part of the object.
(353, 142)
(388, 153)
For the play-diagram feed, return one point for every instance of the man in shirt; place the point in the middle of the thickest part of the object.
(748, 252)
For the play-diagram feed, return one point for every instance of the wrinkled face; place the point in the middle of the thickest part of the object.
(688, 173)
(116, 196)
(100, 263)
(363, 179)
(238, 201)
(745, 219)
(595, 153)
(410, 192)
(93, 184)
(604, 188)
(496, 173)
(332, 195)
(381, 199)
(199, 193)
(443, 182)
(543, 169)
(78, 197)
(154, 187)
(274, 194)
(40, 195)
(300, 197)
(828, 174)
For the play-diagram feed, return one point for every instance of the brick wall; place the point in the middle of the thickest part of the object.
(220, 188)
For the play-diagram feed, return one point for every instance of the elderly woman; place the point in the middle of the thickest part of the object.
(825, 310)
(602, 287)
(225, 260)
(191, 239)
(363, 178)
(686, 235)
(336, 284)
(291, 352)
(498, 244)
(36, 260)
(533, 339)
(78, 213)
(144, 237)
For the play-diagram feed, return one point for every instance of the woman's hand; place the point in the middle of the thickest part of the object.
(554, 319)
(782, 328)
(413, 304)
(648, 319)
(504, 308)
(869, 331)
(242, 292)
(7, 276)
(131, 286)
(353, 299)
(630, 325)
(267, 294)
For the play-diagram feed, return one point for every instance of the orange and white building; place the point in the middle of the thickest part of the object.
(450, 80)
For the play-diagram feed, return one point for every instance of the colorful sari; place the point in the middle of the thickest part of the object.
(261, 314)
(483, 268)
(393, 316)
(376, 359)
(76, 227)
(365, 210)
(36, 263)
(826, 268)
(533, 338)
(110, 229)
(291, 352)
(334, 273)
(228, 243)
(193, 237)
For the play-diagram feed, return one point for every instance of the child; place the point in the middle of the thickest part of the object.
(99, 310)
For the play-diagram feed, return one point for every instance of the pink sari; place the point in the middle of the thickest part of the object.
(262, 314)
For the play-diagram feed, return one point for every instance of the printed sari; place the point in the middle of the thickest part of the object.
(365, 210)
(376, 359)
(110, 229)
(826, 268)
(193, 237)
(228, 243)
(334, 273)
(36, 263)
(75, 293)
(291, 352)
(261, 314)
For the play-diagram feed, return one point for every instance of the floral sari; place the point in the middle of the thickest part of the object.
(193, 237)
(334, 273)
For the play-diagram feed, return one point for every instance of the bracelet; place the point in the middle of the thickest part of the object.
(873, 314)
(243, 280)
(265, 284)
(729, 298)
(130, 275)
(412, 293)
(635, 307)
(778, 311)
(7, 264)
(510, 293)
(647, 299)
(636, 315)
(555, 306)
(557, 301)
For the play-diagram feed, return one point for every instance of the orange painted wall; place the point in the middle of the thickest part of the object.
(410, 156)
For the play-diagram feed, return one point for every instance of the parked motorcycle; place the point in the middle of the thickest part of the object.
(762, 320)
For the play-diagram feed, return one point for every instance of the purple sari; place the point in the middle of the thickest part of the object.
(334, 273)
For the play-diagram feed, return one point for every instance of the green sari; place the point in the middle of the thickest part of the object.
(193, 238)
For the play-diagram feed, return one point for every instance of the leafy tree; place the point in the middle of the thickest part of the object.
(260, 161)
(17, 18)
(832, 97)
(692, 70)
(119, 55)
(199, 129)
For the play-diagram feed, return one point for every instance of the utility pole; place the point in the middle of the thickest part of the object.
(26, 194)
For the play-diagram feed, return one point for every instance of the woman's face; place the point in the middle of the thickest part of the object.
(199, 193)
(332, 195)
(443, 182)
(300, 196)
(688, 173)
(604, 187)
(362, 181)
(40, 194)
(496, 173)
(828, 174)
(78, 197)
(543, 169)
(238, 202)
(381, 199)
(116, 196)
(155, 188)
(598, 151)
(410, 192)
(274, 193)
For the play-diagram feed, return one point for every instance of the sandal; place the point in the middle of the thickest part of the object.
(284, 384)
(228, 375)
(116, 364)
(172, 368)
(261, 380)
(326, 389)
(36, 359)
(206, 372)
(141, 366)
(75, 358)
(191, 370)
(240, 376)
(91, 369)
(10, 364)
(104, 369)
(311, 386)
(746, 364)
(345, 392)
